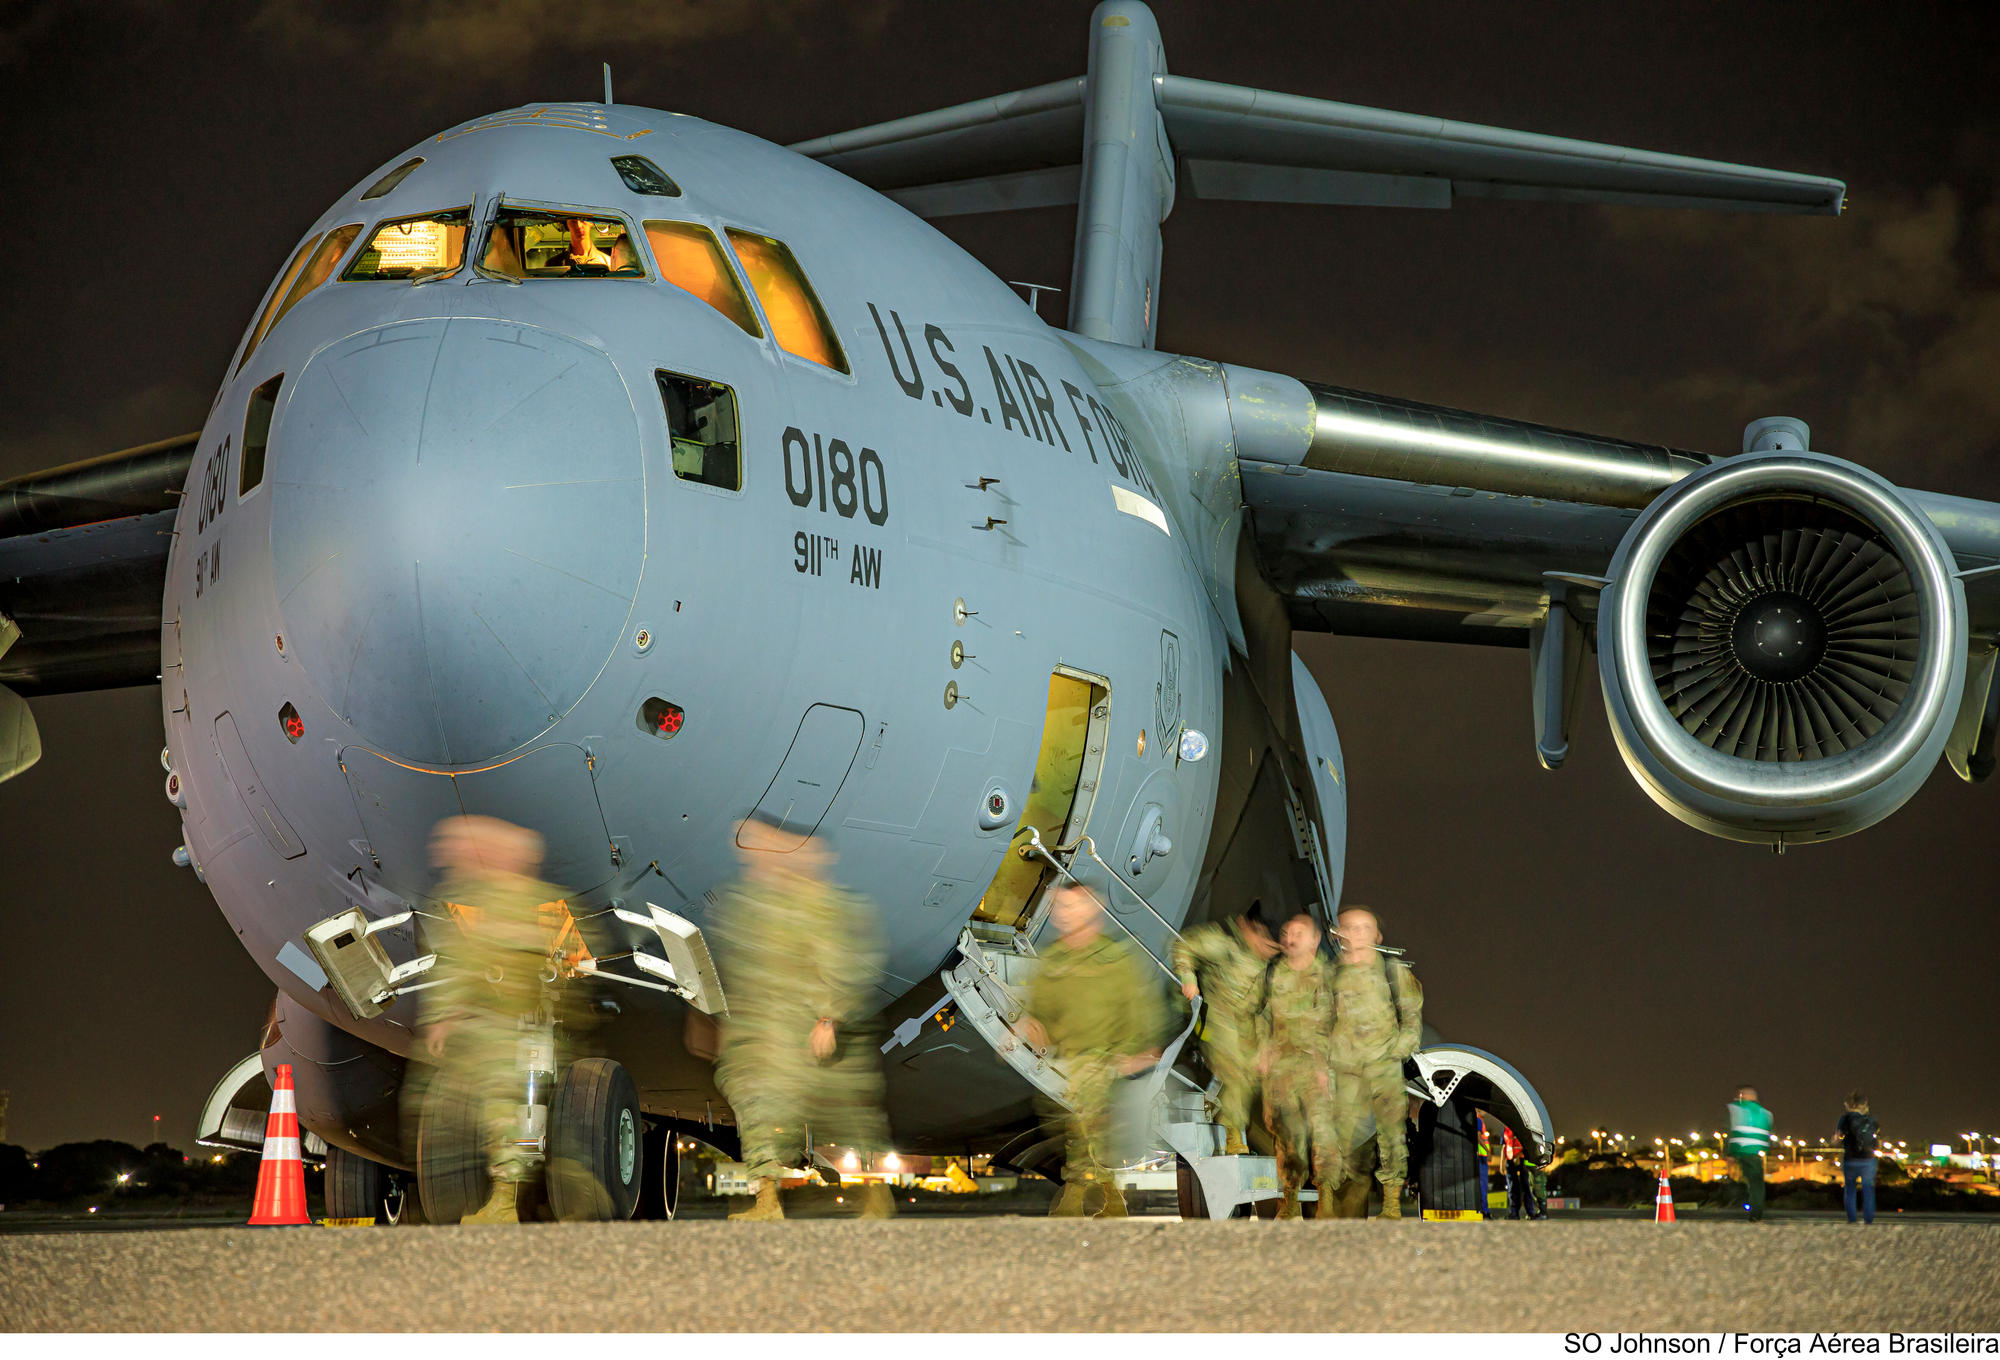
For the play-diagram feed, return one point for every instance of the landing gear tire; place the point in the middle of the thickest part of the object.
(358, 1187)
(1446, 1158)
(660, 1195)
(452, 1179)
(1187, 1190)
(402, 1206)
(596, 1143)
(353, 1185)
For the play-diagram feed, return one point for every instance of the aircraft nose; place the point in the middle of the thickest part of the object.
(457, 530)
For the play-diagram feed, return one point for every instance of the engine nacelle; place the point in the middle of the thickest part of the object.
(1783, 647)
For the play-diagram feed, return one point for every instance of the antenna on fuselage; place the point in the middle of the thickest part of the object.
(607, 82)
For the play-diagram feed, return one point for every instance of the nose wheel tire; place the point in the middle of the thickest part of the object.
(597, 1143)
(452, 1179)
(354, 1185)
(358, 1187)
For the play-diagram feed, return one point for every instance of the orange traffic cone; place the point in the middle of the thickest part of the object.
(281, 1179)
(1663, 1200)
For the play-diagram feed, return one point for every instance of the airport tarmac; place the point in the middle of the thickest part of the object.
(1014, 1274)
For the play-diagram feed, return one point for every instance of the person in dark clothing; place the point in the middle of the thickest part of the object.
(1856, 1132)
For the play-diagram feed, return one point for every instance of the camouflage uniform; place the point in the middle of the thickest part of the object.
(1098, 1005)
(791, 952)
(1231, 978)
(1371, 1038)
(489, 977)
(1293, 1025)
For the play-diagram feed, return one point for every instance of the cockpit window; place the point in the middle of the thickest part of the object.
(317, 271)
(689, 256)
(257, 434)
(641, 176)
(312, 266)
(798, 322)
(701, 426)
(278, 296)
(381, 187)
(412, 247)
(542, 245)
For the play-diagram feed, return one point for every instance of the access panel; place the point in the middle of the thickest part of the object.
(815, 767)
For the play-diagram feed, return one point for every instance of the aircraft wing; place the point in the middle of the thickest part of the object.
(1024, 149)
(83, 560)
(1370, 516)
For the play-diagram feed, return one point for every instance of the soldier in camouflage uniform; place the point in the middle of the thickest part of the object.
(1294, 1021)
(799, 960)
(490, 997)
(1380, 1025)
(1222, 962)
(1093, 1004)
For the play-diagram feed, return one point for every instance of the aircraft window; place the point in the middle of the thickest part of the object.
(689, 257)
(257, 434)
(312, 266)
(320, 268)
(701, 423)
(641, 176)
(381, 187)
(798, 323)
(543, 245)
(278, 295)
(412, 247)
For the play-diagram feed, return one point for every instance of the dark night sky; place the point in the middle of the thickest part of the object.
(163, 159)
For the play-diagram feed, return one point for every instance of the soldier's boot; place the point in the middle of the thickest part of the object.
(767, 1208)
(1392, 1200)
(1233, 1145)
(502, 1206)
(1114, 1202)
(1069, 1204)
(1290, 1208)
(877, 1201)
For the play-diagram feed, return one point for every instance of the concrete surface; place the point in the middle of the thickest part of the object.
(1012, 1274)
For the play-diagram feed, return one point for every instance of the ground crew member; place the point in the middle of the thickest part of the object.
(490, 1016)
(1379, 1025)
(1295, 1021)
(1749, 1139)
(799, 960)
(1222, 962)
(1094, 1006)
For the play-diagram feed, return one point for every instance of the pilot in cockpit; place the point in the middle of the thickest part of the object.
(585, 256)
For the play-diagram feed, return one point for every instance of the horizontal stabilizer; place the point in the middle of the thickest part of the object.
(1023, 150)
(982, 147)
(1240, 143)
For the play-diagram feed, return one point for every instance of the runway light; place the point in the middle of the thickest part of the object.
(124, 1176)
(93, 1208)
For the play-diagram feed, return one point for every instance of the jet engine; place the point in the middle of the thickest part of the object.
(1782, 645)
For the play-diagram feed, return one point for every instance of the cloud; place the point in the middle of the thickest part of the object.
(496, 37)
(1882, 330)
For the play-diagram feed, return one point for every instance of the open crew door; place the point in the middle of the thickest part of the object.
(989, 978)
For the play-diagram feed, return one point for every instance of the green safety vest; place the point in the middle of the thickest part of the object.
(1749, 1129)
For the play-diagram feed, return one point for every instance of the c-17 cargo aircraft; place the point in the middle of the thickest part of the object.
(622, 475)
